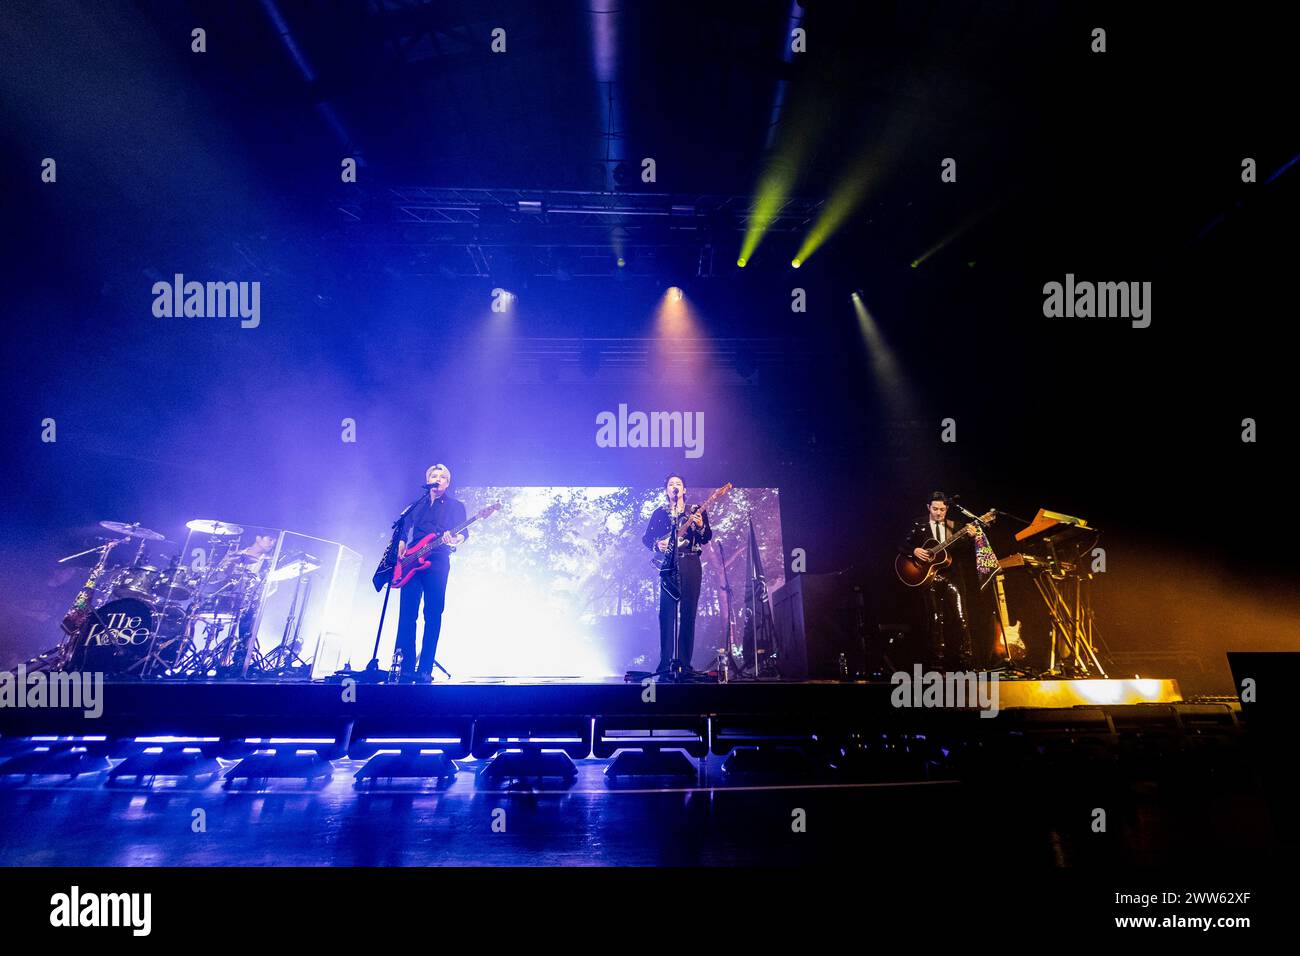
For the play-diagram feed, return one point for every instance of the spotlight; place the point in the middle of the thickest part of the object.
(855, 295)
(621, 262)
(796, 263)
(674, 294)
(741, 262)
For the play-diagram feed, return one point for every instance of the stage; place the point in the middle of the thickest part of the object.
(800, 355)
(597, 772)
(348, 710)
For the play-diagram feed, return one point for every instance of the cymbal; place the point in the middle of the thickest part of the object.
(206, 526)
(132, 530)
(291, 570)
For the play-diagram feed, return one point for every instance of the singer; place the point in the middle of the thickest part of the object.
(435, 514)
(689, 526)
(949, 647)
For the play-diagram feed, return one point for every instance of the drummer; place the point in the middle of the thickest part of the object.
(255, 557)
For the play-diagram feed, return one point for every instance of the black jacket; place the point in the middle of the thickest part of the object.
(660, 524)
(919, 534)
(433, 516)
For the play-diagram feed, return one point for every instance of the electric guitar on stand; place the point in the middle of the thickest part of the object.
(1008, 643)
(416, 558)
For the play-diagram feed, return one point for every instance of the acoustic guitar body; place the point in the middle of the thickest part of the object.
(914, 572)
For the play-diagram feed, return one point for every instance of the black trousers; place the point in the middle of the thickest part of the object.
(950, 641)
(429, 586)
(690, 573)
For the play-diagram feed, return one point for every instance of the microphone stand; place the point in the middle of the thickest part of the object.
(670, 582)
(372, 674)
(1009, 665)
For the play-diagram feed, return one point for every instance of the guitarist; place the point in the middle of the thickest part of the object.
(697, 533)
(436, 513)
(950, 640)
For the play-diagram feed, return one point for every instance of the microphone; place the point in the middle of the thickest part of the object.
(973, 517)
(430, 485)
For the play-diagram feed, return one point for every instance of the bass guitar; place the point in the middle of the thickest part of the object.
(914, 572)
(416, 557)
(660, 558)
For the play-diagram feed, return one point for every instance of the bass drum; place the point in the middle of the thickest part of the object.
(115, 639)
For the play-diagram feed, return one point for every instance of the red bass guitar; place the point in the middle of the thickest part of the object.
(416, 558)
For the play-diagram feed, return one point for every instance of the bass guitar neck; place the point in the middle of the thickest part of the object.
(416, 558)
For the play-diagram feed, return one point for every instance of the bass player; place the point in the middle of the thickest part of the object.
(435, 514)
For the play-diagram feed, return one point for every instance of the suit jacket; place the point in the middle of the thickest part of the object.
(920, 533)
(660, 524)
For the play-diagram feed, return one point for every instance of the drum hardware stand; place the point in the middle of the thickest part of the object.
(151, 657)
(282, 660)
(68, 647)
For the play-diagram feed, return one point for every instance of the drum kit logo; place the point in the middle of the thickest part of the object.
(121, 630)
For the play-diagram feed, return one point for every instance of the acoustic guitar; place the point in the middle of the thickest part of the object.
(914, 572)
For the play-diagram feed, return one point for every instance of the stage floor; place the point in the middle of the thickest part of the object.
(870, 779)
(703, 822)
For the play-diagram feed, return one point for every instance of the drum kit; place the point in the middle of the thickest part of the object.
(167, 620)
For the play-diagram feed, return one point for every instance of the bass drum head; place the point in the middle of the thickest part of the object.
(114, 637)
